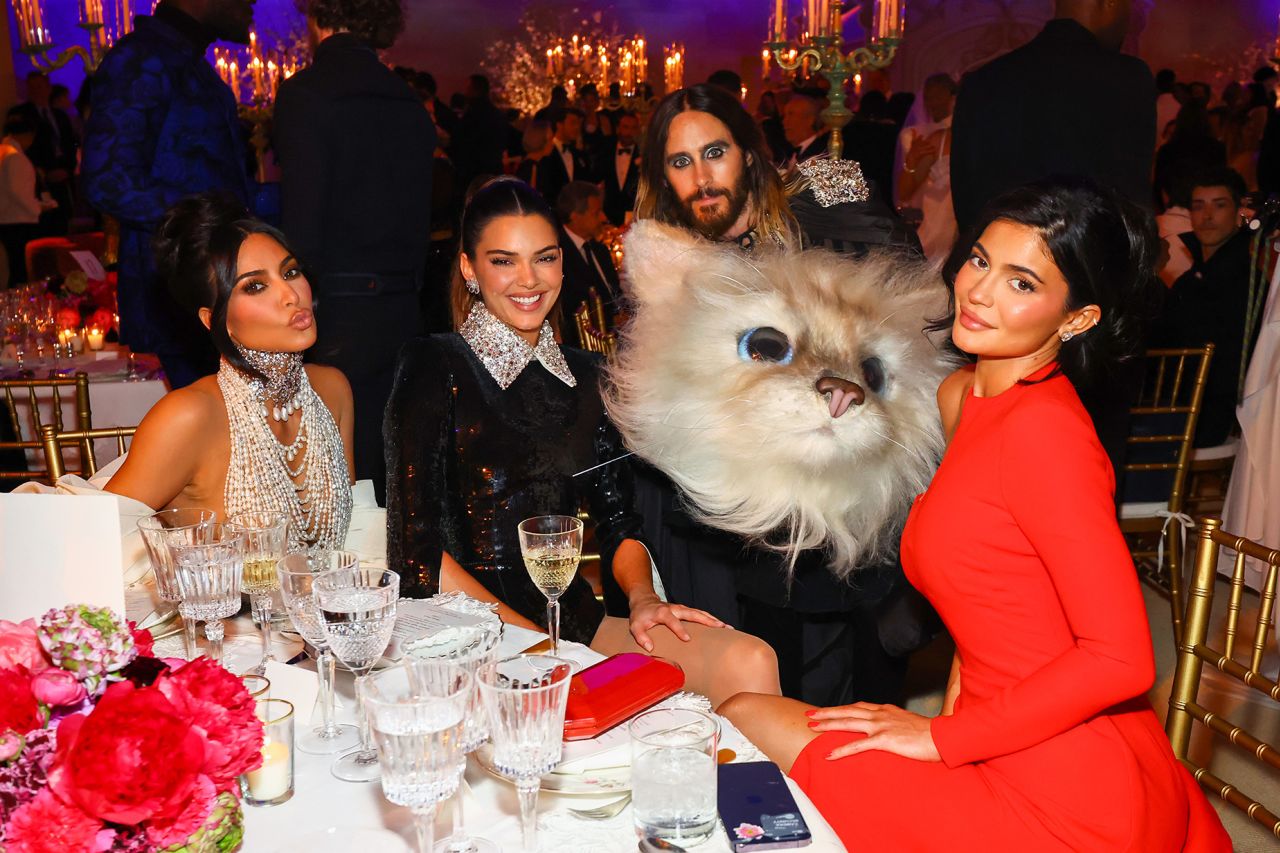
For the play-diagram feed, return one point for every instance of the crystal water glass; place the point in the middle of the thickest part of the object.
(551, 546)
(298, 573)
(525, 698)
(673, 774)
(208, 575)
(476, 647)
(358, 613)
(188, 526)
(266, 536)
(417, 710)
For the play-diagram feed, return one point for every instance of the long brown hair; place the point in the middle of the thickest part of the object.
(656, 199)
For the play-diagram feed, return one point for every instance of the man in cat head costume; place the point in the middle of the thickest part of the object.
(783, 400)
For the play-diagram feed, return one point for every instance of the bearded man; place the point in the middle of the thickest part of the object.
(708, 170)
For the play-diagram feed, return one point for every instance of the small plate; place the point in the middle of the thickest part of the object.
(611, 780)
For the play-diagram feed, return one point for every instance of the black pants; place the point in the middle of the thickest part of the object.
(15, 238)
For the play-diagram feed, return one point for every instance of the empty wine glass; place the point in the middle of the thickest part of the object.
(524, 698)
(298, 573)
(551, 546)
(266, 535)
(417, 710)
(358, 613)
(174, 525)
(208, 575)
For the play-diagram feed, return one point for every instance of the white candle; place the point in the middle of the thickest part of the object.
(272, 779)
(779, 21)
(97, 338)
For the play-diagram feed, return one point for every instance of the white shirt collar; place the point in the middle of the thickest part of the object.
(505, 354)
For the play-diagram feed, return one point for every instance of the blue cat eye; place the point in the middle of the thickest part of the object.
(764, 343)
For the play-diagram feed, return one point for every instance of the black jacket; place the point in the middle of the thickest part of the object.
(618, 199)
(553, 176)
(1062, 104)
(579, 276)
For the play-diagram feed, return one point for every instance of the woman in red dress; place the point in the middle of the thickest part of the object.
(1045, 741)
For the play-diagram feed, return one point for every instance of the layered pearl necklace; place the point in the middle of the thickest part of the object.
(316, 493)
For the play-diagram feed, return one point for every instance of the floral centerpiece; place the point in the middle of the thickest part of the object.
(105, 747)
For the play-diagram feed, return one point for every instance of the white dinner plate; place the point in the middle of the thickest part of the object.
(609, 780)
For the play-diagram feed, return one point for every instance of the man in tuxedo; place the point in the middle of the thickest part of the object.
(618, 165)
(54, 151)
(567, 161)
(586, 260)
(803, 126)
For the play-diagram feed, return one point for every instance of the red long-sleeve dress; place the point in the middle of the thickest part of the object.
(1051, 745)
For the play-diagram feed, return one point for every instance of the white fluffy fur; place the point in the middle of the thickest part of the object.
(753, 445)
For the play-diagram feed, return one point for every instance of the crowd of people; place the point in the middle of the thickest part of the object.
(406, 319)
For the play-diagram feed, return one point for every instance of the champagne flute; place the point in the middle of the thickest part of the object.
(417, 710)
(525, 698)
(265, 538)
(358, 613)
(298, 574)
(551, 546)
(208, 575)
(157, 530)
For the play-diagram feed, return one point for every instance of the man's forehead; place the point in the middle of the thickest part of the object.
(1211, 194)
(693, 130)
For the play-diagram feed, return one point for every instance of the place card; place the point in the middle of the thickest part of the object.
(89, 262)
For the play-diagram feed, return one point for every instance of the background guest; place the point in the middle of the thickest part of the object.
(804, 128)
(480, 137)
(54, 151)
(586, 260)
(618, 167)
(925, 180)
(1191, 150)
(20, 209)
(163, 125)
(870, 139)
(1167, 104)
(355, 148)
(566, 161)
(595, 127)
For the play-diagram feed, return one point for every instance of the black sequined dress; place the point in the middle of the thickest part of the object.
(467, 461)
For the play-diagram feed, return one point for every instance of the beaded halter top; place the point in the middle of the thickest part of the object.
(306, 480)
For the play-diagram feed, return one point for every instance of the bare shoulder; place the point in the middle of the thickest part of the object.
(951, 395)
(187, 412)
(332, 386)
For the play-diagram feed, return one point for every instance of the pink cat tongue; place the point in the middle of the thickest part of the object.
(839, 402)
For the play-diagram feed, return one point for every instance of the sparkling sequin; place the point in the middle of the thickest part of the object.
(834, 181)
(283, 372)
(505, 354)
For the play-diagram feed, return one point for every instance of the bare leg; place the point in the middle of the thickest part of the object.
(717, 662)
(775, 724)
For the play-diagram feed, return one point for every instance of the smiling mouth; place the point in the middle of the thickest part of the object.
(527, 303)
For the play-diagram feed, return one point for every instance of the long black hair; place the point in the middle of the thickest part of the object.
(1106, 249)
(196, 248)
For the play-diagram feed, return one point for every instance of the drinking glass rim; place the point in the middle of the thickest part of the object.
(691, 740)
(575, 526)
(320, 576)
(281, 567)
(280, 519)
(285, 714)
(557, 684)
(221, 534)
(154, 519)
(369, 684)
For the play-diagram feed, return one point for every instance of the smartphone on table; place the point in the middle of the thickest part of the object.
(757, 808)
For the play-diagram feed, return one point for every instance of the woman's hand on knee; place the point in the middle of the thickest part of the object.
(888, 728)
(651, 611)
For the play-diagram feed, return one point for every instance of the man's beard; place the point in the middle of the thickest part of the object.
(711, 224)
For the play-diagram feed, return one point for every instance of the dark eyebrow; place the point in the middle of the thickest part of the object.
(249, 274)
(1015, 267)
(546, 248)
(288, 259)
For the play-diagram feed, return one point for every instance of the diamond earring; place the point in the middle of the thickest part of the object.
(473, 287)
(1066, 336)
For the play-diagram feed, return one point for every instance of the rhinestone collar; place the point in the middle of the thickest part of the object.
(505, 354)
(283, 372)
(835, 181)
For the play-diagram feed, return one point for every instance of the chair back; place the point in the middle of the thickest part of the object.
(1194, 651)
(590, 338)
(54, 442)
(22, 401)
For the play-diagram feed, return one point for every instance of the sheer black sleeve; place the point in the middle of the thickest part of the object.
(610, 495)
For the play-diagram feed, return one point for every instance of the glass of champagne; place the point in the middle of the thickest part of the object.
(208, 575)
(298, 573)
(157, 530)
(358, 613)
(265, 537)
(525, 698)
(551, 546)
(417, 710)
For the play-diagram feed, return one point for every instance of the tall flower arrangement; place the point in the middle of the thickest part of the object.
(104, 747)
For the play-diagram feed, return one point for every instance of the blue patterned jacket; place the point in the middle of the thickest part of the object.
(163, 126)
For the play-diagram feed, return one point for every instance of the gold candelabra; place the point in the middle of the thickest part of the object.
(35, 41)
(820, 48)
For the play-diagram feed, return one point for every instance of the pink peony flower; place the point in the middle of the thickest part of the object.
(167, 832)
(58, 688)
(218, 706)
(48, 825)
(20, 646)
(11, 744)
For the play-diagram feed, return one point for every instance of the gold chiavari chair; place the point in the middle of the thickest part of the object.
(18, 392)
(54, 443)
(1163, 426)
(597, 309)
(1194, 652)
(590, 338)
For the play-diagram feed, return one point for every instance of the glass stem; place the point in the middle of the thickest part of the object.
(553, 624)
(189, 633)
(367, 752)
(528, 791)
(424, 823)
(458, 837)
(213, 631)
(262, 609)
(325, 666)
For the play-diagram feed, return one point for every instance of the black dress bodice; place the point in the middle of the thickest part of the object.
(467, 461)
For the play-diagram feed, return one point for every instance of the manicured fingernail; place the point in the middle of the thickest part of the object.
(811, 712)
(813, 724)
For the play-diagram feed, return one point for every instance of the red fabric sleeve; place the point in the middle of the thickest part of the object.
(1058, 485)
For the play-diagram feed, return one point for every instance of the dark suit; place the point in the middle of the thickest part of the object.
(1062, 104)
(552, 174)
(815, 148)
(355, 148)
(54, 149)
(618, 198)
(580, 276)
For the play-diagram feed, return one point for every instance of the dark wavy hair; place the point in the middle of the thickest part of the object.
(377, 23)
(497, 197)
(1106, 249)
(196, 248)
(656, 199)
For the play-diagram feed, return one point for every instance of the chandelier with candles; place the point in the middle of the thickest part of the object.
(104, 21)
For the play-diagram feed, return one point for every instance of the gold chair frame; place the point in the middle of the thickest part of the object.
(1194, 652)
(53, 441)
(591, 336)
(1167, 372)
(27, 388)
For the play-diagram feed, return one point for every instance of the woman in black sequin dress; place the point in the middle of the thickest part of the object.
(498, 423)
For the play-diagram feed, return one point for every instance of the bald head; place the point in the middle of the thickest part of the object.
(1108, 20)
